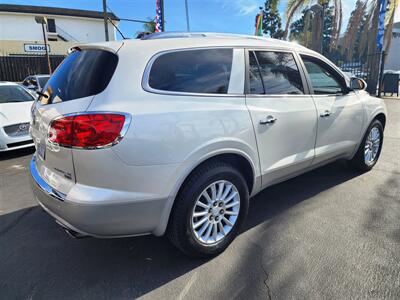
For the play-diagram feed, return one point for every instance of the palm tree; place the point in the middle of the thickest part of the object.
(295, 6)
(150, 26)
(354, 39)
(389, 20)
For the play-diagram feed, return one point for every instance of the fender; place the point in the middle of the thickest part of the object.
(369, 116)
(211, 149)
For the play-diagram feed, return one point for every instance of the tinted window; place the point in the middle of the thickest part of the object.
(279, 73)
(323, 79)
(43, 81)
(195, 71)
(14, 93)
(83, 73)
(256, 84)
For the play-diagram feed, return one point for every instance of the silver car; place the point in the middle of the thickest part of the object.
(174, 133)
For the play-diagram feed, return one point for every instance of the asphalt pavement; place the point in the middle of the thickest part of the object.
(332, 233)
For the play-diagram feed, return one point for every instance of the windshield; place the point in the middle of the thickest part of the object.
(82, 74)
(14, 93)
(43, 80)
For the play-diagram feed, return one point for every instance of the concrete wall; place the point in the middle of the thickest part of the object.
(23, 27)
(393, 59)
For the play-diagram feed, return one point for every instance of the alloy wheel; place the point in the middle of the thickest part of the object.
(215, 212)
(372, 145)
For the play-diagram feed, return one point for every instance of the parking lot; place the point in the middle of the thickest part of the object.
(330, 233)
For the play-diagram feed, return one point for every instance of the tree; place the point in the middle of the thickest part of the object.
(355, 32)
(294, 6)
(148, 28)
(272, 23)
(303, 29)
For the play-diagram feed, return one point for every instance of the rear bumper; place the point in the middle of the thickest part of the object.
(117, 218)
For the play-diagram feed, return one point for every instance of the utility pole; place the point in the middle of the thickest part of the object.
(187, 16)
(43, 21)
(105, 19)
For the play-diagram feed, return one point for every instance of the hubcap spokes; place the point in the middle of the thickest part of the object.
(215, 212)
(372, 145)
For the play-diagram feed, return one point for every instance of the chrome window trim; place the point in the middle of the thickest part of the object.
(43, 185)
(146, 74)
(124, 130)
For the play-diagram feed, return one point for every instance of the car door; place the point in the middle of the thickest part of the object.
(283, 114)
(340, 116)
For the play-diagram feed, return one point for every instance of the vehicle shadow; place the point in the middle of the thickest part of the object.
(16, 153)
(38, 260)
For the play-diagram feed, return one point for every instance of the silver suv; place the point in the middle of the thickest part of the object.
(173, 135)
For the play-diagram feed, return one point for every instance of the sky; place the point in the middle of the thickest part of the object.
(231, 16)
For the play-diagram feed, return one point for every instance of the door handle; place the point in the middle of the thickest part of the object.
(326, 113)
(268, 120)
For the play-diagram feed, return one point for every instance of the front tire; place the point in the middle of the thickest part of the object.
(209, 210)
(370, 148)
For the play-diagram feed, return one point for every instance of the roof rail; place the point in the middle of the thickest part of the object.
(183, 34)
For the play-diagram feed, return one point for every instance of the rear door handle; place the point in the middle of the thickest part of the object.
(268, 120)
(326, 113)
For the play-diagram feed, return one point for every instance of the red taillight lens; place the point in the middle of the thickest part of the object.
(86, 130)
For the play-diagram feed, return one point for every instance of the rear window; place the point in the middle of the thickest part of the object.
(83, 73)
(193, 71)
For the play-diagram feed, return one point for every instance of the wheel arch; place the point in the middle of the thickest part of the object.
(381, 117)
(237, 158)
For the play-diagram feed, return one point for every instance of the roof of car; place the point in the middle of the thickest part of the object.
(179, 40)
(185, 39)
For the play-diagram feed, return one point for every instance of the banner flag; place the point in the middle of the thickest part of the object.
(381, 24)
(259, 23)
(159, 16)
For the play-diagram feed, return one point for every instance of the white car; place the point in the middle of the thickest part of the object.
(15, 115)
(174, 133)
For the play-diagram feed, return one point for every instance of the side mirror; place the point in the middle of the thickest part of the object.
(357, 84)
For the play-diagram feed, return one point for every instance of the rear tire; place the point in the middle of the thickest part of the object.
(201, 219)
(370, 148)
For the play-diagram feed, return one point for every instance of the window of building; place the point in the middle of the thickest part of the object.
(51, 25)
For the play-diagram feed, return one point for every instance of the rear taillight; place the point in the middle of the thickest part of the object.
(94, 130)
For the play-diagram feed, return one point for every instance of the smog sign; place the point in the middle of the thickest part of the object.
(36, 48)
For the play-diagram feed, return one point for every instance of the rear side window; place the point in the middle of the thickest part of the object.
(274, 73)
(193, 71)
(83, 73)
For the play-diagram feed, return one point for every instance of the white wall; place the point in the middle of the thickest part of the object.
(392, 61)
(15, 26)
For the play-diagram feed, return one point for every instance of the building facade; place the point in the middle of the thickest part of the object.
(393, 58)
(21, 35)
